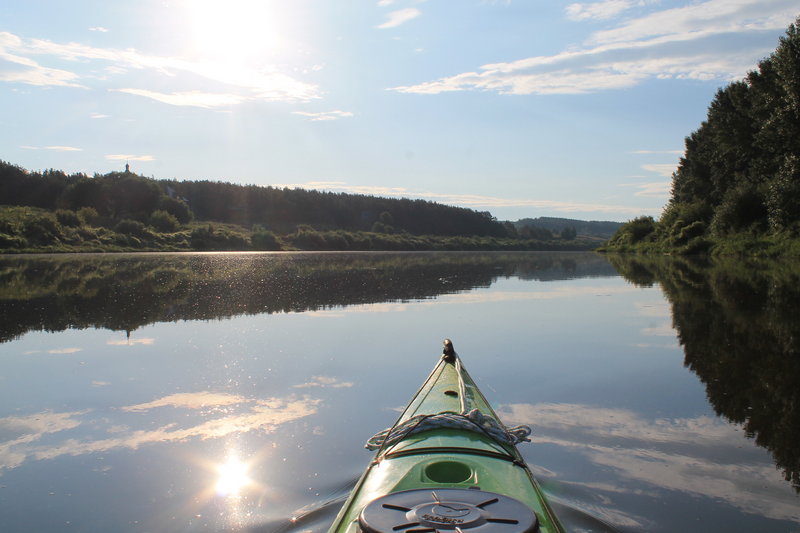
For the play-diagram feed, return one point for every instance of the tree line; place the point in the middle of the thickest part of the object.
(52, 211)
(739, 178)
(119, 196)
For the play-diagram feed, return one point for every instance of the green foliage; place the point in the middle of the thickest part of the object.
(737, 188)
(88, 215)
(210, 237)
(42, 230)
(534, 232)
(634, 231)
(163, 221)
(568, 234)
(742, 209)
(176, 208)
(131, 227)
(380, 227)
(263, 239)
(783, 192)
(554, 225)
(66, 217)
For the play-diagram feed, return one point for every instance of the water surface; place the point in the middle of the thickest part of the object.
(218, 392)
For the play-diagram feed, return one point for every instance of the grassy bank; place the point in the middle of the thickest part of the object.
(34, 230)
(646, 236)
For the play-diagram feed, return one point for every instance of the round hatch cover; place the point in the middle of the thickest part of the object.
(429, 510)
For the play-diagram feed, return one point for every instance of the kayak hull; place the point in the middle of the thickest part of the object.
(447, 459)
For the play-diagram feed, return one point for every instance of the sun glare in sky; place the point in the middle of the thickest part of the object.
(239, 31)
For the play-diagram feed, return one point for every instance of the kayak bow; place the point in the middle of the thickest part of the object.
(447, 464)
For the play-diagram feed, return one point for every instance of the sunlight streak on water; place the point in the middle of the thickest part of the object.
(233, 477)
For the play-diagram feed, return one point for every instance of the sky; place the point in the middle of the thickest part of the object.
(523, 108)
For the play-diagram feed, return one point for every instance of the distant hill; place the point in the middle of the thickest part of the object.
(591, 228)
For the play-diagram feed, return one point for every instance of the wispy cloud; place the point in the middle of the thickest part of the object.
(701, 456)
(65, 350)
(129, 157)
(325, 382)
(657, 189)
(662, 169)
(189, 400)
(599, 10)
(23, 434)
(189, 98)
(475, 200)
(20, 432)
(479, 298)
(55, 148)
(680, 43)
(129, 341)
(324, 115)
(17, 64)
(400, 16)
(649, 152)
(99, 29)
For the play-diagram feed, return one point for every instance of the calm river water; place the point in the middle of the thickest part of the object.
(234, 392)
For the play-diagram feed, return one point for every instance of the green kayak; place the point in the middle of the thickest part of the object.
(447, 465)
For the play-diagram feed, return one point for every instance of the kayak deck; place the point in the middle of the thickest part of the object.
(446, 458)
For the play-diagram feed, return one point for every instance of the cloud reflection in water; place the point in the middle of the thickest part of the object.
(702, 456)
(22, 435)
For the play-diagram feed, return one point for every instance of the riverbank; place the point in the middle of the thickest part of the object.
(34, 230)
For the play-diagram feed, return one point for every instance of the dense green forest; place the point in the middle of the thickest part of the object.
(54, 211)
(737, 187)
(553, 226)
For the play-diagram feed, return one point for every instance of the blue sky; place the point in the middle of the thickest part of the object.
(522, 108)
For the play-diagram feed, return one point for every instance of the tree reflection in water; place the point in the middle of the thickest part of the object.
(124, 292)
(738, 324)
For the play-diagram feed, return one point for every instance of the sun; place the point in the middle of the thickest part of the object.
(234, 31)
(232, 477)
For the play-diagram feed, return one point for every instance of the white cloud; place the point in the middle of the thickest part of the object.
(401, 16)
(55, 148)
(701, 456)
(63, 148)
(65, 350)
(190, 400)
(98, 115)
(324, 115)
(99, 29)
(657, 189)
(477, 298)
(681, 43)
(190, 98)
(662, 169)
(248, 83)
(599, 10)
(475, 200)
(325, 382)
(147, 341)
(129, 157)
(236, 415)
(16, 68)
(22, 431)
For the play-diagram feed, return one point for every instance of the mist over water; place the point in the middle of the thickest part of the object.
(218, 392)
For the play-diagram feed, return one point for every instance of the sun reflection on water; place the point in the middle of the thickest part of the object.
(232, 477)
